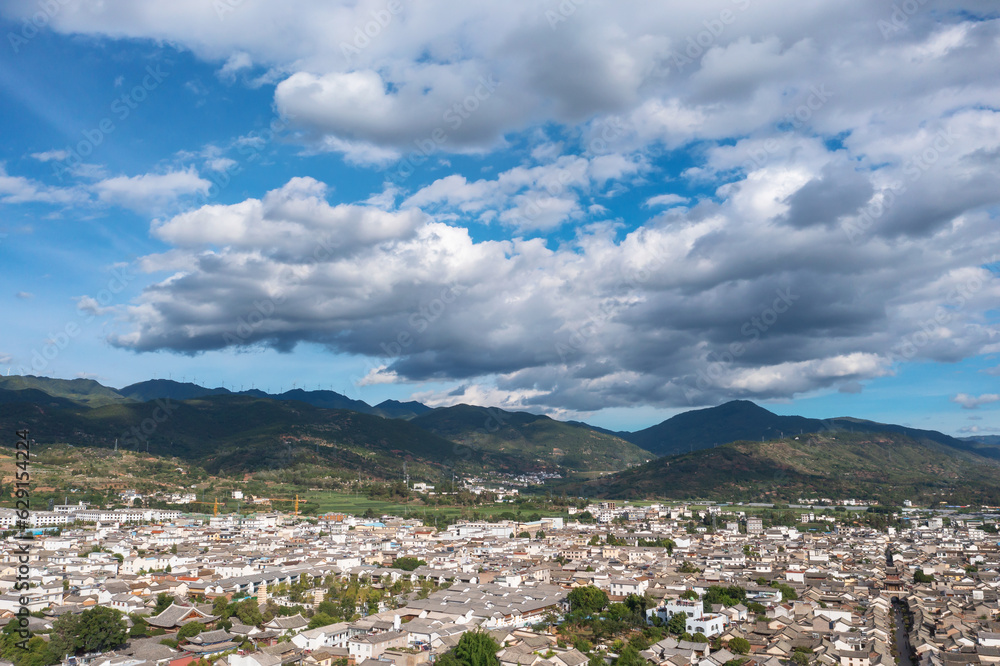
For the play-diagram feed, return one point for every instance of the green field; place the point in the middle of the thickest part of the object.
(334, 502)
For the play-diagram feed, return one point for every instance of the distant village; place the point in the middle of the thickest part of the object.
(847, 596)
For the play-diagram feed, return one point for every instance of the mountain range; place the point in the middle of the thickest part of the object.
(737, 449)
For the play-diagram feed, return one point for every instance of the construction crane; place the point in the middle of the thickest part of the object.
(214, 505)
(286, 499)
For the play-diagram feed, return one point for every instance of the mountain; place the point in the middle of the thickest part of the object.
(989, 440)
(40, 399)
(393, 409)
(234, 434)
(166, 388)
(325, 399)
(889, 467)
(85, 392)
(531, 439)
(744, 420)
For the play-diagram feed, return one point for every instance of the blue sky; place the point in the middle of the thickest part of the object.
(603, 211)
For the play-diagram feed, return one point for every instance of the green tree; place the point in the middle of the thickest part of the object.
(477, 648)
(408, 563)
(101, 629)
(140, 628)
(677, 623)
(739, 645)
(800, 658)
(248, 613)
(163, 601)
(190, 629)
(321, 620)
(65, 629)
(587, 600)
(629, 656)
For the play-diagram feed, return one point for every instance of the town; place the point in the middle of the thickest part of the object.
(615, 583)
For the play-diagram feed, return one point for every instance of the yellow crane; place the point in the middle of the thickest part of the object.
(286, 499)
(214, 505)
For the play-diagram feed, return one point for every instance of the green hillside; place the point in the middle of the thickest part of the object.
(233, 434)
(531, 439)
(744, 420)
(84, 391)
(889, 467)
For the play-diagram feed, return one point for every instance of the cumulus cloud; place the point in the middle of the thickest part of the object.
(151, 192)
(975, 402)
(817, 155)
(350, 74)
(665, 200)
(21, 190)
(695, 306)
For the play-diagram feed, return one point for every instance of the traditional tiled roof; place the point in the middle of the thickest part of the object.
(175, 616)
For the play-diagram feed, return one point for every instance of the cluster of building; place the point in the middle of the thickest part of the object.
(847, 597)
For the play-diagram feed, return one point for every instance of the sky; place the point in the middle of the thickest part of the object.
(610, 211)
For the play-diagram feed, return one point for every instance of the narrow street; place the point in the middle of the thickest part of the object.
(905, 651)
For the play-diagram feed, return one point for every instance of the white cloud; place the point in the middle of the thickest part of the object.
(665, 200)
(975, 402)
(220, 163)
(718, 301)
(20, 190)
(50, 155)
(151, 192)
(236, 63)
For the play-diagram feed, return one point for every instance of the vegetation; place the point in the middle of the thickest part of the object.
(474, 648)
(408, 563)
(739, 646)
(888, 467)
(531, 437)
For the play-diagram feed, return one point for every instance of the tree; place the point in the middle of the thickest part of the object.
(65, 629)
(788, 592)
(190, 629)
(587, 600)
(690, 595)
(629, 656)
(101, 629)
(539, 535)
(739, 645)
(163, 601)
(477, 648)
(248, 613)
(408, 563)
(140, 627)
(321, 620)
(800, 658)
(920, 577)
(677, 623)
(524, 535)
